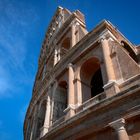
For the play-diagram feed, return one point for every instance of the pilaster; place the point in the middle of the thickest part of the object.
(78, 92)
(46, 125)
(119, 128)
(107, 59)
(54, 86)
(111, 86)
(55, 56)
(70, 110)
(73, 34)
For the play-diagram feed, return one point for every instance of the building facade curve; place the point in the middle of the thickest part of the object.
(87, 85)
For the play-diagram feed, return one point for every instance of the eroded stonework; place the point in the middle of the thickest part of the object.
(88, 83)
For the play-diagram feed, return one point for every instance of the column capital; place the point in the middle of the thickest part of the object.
(118, 124)
(105, 37)
(70, 65)
(101, 38)
(73, 23)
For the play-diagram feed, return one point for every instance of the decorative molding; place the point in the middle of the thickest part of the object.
(70, 65)
(118, 125)
(109, 84)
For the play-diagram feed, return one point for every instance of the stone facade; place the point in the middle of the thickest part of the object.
(88, 83)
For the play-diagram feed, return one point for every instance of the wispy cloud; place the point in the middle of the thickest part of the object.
(4, 82)
(15, 25)
(17, 20)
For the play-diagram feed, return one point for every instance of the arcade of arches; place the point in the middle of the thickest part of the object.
(91, 86)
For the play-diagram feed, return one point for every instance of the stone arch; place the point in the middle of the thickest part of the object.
(91, 78)
(130, 51)
(41, 101)
(65, 46)
(82, 61)
(66, 43)
(60, 100)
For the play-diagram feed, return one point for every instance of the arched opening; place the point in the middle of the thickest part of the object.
(63, 92)
(65, 46)
(97, 83)
(41, 118)
(60, 100)
(91, 79)
(130, 51)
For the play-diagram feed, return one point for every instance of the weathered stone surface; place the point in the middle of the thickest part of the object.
(87, 86)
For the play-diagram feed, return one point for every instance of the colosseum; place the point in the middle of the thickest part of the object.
(87, 86)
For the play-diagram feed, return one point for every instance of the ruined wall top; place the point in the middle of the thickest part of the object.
(60, 17)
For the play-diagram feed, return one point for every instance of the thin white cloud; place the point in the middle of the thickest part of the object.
(4, 82)
(15, 26)
(17, 20)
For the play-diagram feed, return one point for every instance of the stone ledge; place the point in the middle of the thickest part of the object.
(100, 105)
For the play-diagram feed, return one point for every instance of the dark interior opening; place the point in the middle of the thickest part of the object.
(65, 46)
(60, 101)
(130, 51)
(41, 119)
(96, 83)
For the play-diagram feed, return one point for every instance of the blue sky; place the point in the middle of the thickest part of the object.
(23, 24)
